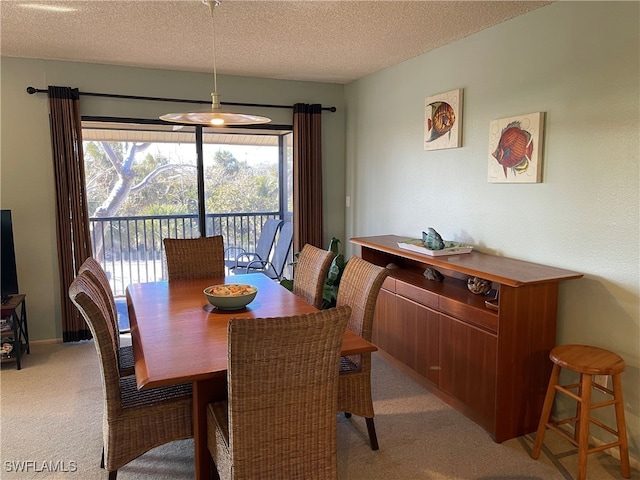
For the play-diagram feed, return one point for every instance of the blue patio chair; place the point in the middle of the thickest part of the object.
(274, 267)
(238, 257)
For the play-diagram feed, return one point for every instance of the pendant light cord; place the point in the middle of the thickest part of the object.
(212, 4)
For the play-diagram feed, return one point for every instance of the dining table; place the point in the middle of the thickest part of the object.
(179, 337)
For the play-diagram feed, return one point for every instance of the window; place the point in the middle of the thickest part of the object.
(147, 181)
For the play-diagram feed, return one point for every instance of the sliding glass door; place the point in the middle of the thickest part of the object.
(148, 181)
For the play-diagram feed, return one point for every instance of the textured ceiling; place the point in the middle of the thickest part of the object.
(312, 40)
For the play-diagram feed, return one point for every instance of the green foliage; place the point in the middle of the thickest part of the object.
(332, 282)
(231, 186)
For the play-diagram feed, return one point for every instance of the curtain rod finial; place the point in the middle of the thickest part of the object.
(31, 90)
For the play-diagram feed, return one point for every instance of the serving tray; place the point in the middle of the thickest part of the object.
(450, 248)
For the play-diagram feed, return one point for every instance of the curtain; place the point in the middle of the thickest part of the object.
(307, 175)
(72, 216)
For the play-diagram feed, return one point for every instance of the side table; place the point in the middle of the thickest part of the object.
(13, 330)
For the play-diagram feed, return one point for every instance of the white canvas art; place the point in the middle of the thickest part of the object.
(515, 149)
(443, 120)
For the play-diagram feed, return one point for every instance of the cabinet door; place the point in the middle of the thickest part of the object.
(417, 338)
(468, 368)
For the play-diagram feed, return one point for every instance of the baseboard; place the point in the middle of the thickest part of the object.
(48, 341)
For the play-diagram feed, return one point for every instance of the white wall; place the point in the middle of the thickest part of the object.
(579, 63)
(26, 179)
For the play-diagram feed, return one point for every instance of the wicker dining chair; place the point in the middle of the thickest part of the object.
(134, 421)
(359, 288)
(253, 434)
(98, 276)
(310, 274)
(194, 257)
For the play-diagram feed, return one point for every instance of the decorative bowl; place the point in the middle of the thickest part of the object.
(478, 285)
(231, 296)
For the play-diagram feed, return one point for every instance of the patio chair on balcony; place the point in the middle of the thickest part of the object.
(274, 267)
(238, 257)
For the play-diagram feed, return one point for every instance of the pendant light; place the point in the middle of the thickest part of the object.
(215, 116)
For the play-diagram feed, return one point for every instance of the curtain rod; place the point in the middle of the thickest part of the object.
(32, 90)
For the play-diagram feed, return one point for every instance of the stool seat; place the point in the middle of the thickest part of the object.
(587, 361)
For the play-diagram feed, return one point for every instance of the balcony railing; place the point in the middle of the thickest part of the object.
(130, 249)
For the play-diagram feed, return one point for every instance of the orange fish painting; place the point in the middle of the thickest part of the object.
(441, 121)
(514, 149)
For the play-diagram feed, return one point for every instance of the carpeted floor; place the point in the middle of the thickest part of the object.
(51, 413)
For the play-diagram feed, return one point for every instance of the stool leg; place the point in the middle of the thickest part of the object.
(621, 426)
(585, 412)
(576, 426)
(546, 411)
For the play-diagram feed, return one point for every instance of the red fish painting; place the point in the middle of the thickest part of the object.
(514, 149)
(441, 120)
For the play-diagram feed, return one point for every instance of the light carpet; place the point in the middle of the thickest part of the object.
(51, 413)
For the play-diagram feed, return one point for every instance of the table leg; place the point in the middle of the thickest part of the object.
(204, 392)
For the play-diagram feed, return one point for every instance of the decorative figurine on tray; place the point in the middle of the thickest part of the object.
(432, 239)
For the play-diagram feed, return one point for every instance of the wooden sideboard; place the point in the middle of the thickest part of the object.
(490, 364)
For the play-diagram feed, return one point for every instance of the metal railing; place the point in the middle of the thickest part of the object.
(130, 249)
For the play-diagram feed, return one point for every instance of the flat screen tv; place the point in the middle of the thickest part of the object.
(8, 266)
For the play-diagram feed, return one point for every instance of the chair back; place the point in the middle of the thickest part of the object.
(359, 287)
(282, 394)
(93, 270)
(238, 257)
(267, 238)
(89, 300)
(281, 251)
(194, 257)
(275, 267)
(310, 274)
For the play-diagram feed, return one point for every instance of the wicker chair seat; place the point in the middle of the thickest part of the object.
(347, 365)
(133, 398)
(126, 361)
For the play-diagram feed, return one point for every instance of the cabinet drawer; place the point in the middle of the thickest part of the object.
(420, 295)
(467, 313)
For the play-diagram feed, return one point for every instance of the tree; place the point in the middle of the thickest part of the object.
(227, 161)
(120, 179)
(129, 179)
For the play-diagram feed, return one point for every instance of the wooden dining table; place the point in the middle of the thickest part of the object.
(178, 337)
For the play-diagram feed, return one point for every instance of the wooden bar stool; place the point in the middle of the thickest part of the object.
(587, 361)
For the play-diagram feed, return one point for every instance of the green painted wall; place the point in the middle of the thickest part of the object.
(580, 63)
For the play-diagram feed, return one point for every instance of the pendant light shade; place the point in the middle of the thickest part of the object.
(215, 116)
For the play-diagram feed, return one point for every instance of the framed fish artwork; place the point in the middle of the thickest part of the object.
(443, 120)
(515, 149)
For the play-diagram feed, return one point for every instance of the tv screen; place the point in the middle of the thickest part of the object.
(8, 257)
